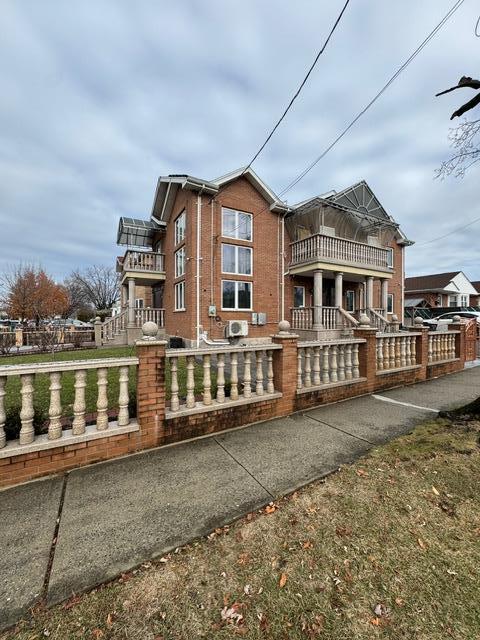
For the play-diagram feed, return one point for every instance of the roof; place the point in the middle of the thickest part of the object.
(432, 281)
(137, 233)
(414, 302)
(476, 285)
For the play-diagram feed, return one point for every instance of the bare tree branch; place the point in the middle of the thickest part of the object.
(464, 82)
(465, 140)
(466, 107)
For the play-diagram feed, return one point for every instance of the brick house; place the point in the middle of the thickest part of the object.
(475, 297)
(225, 250)
(452, 289)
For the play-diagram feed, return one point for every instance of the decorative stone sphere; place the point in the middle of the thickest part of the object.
(284, 326)
(418, 320)
(149, 330)
(97, 319)
(457, 319)
(364, 320)
(394, 317)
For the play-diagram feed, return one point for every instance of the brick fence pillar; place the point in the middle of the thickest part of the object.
(151, 390)
(285, 368)
(421, 347)
(460, 340)
(367, 355)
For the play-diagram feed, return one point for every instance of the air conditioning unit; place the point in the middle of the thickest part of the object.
(237, 329)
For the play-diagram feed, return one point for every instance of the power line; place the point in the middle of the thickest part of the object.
(469, 224)
(302, 84)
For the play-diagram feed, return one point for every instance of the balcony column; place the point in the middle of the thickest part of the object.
(317, 299)
(384, 296)
(369, 292)
(339, 289)
(131, 302)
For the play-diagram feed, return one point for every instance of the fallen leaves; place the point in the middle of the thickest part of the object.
(421, 544)
(283, 580)
(232, 615)
(271, 508)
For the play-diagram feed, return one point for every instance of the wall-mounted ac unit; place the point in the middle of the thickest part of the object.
(237, 329)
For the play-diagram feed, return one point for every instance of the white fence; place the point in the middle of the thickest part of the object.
(441, 346)
(322, 363)
(319, 247)
(396, 351)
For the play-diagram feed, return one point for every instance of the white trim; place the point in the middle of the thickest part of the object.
(298, 286)
(253, 178)
(237, 247)
(237, 225)
(175, 223)
(179, 286)
(181, 250)
(390, 252)
(236, 308)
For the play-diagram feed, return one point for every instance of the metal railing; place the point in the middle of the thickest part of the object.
(338, 250)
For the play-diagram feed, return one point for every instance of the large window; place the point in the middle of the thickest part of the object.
(236, 259)
(236, 224)
(390, 303)
(390, 258)
(180, 262)
(350, 300)
(180, 228)
(299, 297)
(139, 303)
(236, 295)
(180, 296)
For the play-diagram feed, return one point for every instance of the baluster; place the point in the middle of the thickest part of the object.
(413, 350)
(259, 373)
(299, 368)
(348, 362)
(430, 349)
(325, 364)
(102, 399)
(408, 355)
(308, 369)
(174, 400)
(403, 352)
(207, 381)
(3, 416)
(55, 409)
(452, 347)
(333, 364)
(79, 406)
(386, 353)
(220, 378)
(316, 366)
(270, 383)
(27, 433)
(123, 416)
(341, 362)
(234, 376)
(356, 363)
(379, 354)
(392, 352)
(247, 376)
(190, 401)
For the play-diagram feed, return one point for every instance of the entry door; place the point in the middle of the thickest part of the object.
(328, 293)
(158, 296)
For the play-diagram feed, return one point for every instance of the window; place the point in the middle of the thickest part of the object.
(390, 258)
(236, 259)
(390, 303)
(299, 297)
(180, 262)
(139, 303)
(350, 300)
(180, 228)
(180, 296)
(236, 224)
(463, 301)
(236, 295)
(452, 301)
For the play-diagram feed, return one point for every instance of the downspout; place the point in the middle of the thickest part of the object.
(198, 258)
(283, 268)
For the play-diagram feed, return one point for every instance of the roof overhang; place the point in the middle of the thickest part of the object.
(167, 189)
(137, 233)
(249, 174)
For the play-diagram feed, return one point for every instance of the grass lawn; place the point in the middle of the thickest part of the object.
(386, 548)
(42, 382)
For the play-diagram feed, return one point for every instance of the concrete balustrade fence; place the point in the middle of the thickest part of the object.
(209, 390)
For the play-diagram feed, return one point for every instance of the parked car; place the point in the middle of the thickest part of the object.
(70, 323)
(447, 318)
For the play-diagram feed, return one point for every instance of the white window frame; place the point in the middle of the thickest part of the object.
(452, 299)
(139, 303)
(352, 291)
(390, 257)
(390, 296)
(299, 286)
(180, 224)
(237, 247)
(237, 224)
(180, 254)
(237, 282)
(179, 286)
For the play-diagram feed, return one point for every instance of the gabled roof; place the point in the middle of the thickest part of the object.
(476, 285)
(270, 196)
(429, 282)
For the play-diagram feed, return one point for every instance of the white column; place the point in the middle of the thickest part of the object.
(317, 299)
(131, 302)
(339, 289)
(369, 301)
(385, 295)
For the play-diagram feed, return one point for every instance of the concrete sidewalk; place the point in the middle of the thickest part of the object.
(114, 515)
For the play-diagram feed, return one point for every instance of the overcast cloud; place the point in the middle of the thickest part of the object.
(101, 97)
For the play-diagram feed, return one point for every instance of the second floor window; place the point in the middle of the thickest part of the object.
(180, 262)
(236, 224)
(180, 228)
(237, 259)
(390, 258)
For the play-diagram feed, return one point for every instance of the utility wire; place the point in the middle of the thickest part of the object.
(302, 84)
(469, 224)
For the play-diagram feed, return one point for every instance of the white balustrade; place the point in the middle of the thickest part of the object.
(230, 369)
(333, 362)
(338, 250)
(150, 261)
(302, 318)
(59, 424)
(441, 346)
(396, 350)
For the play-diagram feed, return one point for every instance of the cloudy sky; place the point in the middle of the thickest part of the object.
(101, 97)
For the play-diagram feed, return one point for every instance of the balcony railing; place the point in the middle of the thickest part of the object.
(338, 250)
(148, 261)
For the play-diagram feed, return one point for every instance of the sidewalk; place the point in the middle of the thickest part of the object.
(115, 515)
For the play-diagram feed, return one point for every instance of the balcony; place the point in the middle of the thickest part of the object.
(339, 251)
(145, 265)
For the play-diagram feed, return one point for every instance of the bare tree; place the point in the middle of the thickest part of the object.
(97, 285)
(465, 138)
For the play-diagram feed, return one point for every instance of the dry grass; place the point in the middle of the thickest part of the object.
(399, 529)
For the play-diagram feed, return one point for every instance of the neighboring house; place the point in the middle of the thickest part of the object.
(452, 289)
(475, 298)
(228, 250)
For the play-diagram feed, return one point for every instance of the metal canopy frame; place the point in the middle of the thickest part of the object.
(137, 233)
